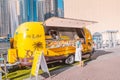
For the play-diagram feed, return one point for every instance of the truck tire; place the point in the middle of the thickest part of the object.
(93, 50)
(90, 54)
(70, 59)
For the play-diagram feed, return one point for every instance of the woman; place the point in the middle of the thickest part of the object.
(78, 53)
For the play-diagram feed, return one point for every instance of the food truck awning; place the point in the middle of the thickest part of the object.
(67, 22)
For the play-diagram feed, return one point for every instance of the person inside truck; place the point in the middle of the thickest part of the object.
(82, 40)
(54, 34)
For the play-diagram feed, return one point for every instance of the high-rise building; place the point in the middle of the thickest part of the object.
(60, 13)
(4, 18)
(8, 17)
(13, 6)
(37, 10)
(60, 8)
(15, 12)
(28, 10)
(41, 10)
(51, 7)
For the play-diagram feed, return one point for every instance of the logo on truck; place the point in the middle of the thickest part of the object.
(33, 36)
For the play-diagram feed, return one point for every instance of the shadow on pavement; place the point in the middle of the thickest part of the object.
(96, 54)
(64, 67)
(56, 71)
(99, 53)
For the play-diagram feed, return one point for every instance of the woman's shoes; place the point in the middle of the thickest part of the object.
(81, 64)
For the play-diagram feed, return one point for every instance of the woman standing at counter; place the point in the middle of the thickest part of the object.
(78, 53)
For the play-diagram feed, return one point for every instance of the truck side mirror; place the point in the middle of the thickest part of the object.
(11, 42)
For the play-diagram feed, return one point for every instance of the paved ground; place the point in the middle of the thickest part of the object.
(104, 66)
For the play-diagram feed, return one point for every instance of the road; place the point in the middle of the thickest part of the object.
(105, 65)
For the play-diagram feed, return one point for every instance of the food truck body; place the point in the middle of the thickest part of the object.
(56, 42)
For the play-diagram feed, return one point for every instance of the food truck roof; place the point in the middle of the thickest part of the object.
(67, 22)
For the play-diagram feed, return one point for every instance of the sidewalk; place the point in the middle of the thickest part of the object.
(104, 67)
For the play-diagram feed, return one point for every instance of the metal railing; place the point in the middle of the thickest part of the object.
(3, 61)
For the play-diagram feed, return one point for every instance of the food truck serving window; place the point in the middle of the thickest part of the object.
(68, 34)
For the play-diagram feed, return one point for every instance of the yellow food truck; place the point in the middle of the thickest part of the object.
(55, 37)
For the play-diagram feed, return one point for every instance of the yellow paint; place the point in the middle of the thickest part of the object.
(35, 64)
(88, 39)
(12, 56)
(30, 36)
(61, 51)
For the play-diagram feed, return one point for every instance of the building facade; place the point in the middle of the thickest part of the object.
(105, 12)
(110, 38)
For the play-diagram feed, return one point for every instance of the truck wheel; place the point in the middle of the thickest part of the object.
(70, 59)
(93, 50)
(90, 55)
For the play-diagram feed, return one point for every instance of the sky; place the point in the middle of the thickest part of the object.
(105, 12)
